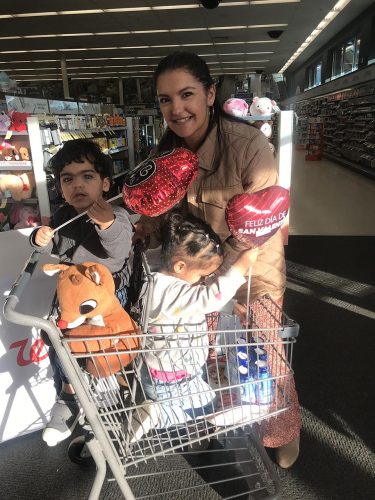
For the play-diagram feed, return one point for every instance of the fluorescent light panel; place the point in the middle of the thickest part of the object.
(209, 44)
(146, 32)
(142, 9)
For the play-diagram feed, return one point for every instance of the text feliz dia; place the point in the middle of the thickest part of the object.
(266, 220)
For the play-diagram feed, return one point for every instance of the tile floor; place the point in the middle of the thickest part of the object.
(330, 199)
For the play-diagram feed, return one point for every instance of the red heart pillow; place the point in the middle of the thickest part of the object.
(254, 218)
(157, 184)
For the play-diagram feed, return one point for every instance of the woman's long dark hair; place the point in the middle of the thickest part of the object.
(198, 68)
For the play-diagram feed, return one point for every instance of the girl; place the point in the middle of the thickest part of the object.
(177, 344)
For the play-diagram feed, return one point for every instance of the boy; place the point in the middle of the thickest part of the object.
(82, 174)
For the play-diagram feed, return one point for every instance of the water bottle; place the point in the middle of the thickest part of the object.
(264, 390)
(248, 386)
(247, 371)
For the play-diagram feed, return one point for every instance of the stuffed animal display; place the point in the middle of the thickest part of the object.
(236, 107)
(89, 308)
(23, 216)
(20, 186)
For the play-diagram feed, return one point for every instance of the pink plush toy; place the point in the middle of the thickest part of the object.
(236, 107)
(263, 107)
(23, 216)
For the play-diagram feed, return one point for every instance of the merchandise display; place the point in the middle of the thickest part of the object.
(314, 139)
(17, 176)
(346, 129)
(28, 141)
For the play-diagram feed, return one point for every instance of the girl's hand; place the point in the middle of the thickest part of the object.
(101, 213)
(43, 236)
(246, 260)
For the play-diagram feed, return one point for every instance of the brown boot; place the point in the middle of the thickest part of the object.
(287, 454)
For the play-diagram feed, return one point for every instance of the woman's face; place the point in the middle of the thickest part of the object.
(185, 105)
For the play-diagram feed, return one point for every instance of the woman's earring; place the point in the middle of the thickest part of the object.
(212, 113)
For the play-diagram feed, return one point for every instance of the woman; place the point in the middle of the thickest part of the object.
(234, 157)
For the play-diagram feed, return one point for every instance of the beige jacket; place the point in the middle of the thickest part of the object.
(247, 165)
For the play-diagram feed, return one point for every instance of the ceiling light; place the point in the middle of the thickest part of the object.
(35, 14)
(337, 8)
(74, 12)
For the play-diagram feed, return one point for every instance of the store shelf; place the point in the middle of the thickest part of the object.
(120, 149)
(14, 132)
(22, 165)
(370, 172)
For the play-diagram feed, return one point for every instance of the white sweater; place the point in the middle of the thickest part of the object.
(178, 336)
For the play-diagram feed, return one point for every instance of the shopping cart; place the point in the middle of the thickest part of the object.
(166, 449)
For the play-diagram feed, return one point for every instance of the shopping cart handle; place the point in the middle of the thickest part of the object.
(15, 293)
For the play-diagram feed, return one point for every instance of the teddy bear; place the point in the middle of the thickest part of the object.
(236, 107)
(23, 216)
(89, 308)
(19, 186)
(262, 108)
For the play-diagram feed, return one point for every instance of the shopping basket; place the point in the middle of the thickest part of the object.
(166, 449)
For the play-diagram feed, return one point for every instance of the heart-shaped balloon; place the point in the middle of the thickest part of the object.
(157, 184)
(253, 218)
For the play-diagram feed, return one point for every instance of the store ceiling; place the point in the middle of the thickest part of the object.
(110, 38)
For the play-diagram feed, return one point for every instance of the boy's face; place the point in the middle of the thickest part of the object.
(81, 185)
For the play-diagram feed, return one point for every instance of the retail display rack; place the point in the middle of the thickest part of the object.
(348, 124)
(44, 133)
(314, 139)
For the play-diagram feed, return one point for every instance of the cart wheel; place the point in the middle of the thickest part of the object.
(79, 453)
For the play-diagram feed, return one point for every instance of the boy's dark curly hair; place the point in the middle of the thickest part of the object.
(79, 150)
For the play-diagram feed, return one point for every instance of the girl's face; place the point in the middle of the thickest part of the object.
(81, 185)
(185, 105)
(194, 275)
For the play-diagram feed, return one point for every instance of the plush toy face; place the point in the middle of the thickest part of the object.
(262, 106)
(236, 107)
(85, 291)
(23, 216)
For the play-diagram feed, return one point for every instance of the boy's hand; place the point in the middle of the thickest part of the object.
(43, 236)
(101, 213)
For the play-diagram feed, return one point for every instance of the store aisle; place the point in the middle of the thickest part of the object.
(328, 199)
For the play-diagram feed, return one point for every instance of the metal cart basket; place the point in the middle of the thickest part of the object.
(193, 435)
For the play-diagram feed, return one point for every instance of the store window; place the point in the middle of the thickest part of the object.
(314, 76)
(345, 57)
